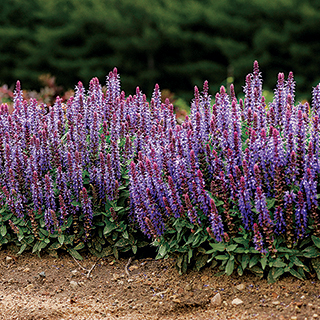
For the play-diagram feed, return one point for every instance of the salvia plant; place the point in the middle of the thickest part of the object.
(234, 185)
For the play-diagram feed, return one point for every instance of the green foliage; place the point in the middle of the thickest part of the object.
(184, 242)
(192, 247)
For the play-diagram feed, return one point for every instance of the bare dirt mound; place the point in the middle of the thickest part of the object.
(59, 288)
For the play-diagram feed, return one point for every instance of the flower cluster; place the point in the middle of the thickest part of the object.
(231, 163)
(50, 155)
(259, 162)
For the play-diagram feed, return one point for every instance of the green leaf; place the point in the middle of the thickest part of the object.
(218, 246)
(69, 222)
(284, 249)
(305, 242)
(7, 217)
(316, 241)
(97, 246)
(142, 244)
(232, 247)
(55, 246)
(76, 203)
(196, 240)
(296, 261)
(245, 260)
(230, 266)
(270, 203)
(278, 272)
(44, 232)
(110, 226)
(258, 271)
(201, 262)
(134, 249)
(191, 238)
(179, 261)
(115, 252)
(162, 250)
(242, 241)
(214, 263)
(121, 242)
(61, 239)
(263, 262)
(279, 263)
(125, 235)
(190, 254)
(253, 261)
(20, 237)
(301, 271)
(22, 248)
(35, 247)
(79, 246)
(107, 251)
(21, 223)
(219, 203)
(316, 266)
(75, 254)
(222, 257)
(270, 277)
(29, 240)
(239, 250)
(3, 209)
(296, 274)
(311, 252)
(42, 245)
(184, 264)
(240, 270)
(3, 230)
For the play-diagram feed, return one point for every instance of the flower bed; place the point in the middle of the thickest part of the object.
(234, 185)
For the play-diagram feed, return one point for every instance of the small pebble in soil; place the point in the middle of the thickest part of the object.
(236, 302)
(42, 274)
(216, 300)
(188, 287)
(74, 272)
(240, 287)
(74, 284)
(29, 286)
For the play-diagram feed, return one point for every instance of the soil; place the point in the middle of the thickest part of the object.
(59, 288)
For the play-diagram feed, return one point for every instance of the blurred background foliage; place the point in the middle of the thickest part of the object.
(176, 43)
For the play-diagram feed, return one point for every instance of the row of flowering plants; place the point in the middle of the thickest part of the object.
(234, 185)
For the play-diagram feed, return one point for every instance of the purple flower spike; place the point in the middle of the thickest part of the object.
(245, 205)
(49, 194)
(279, 219)
(216, 222)
(301, 216)
(192, 214)
(258, 240)
(264, 215)
(36, 192)
(316, 100)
